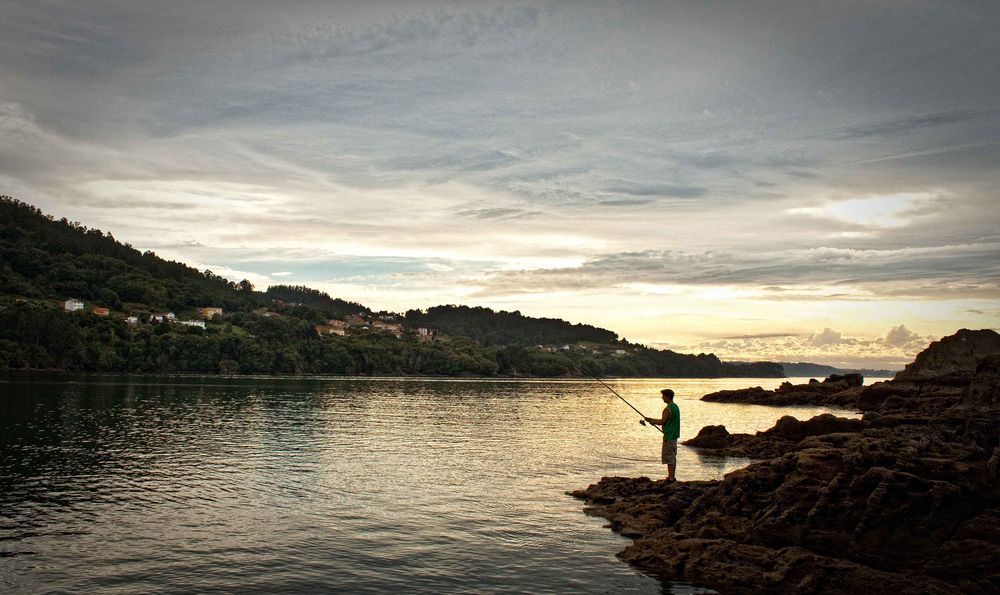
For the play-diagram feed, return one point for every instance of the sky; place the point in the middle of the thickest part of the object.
(790, 181)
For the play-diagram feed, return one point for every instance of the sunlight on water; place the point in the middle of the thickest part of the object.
(295, 485)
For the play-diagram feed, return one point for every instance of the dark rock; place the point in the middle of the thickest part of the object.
(848, 380)
(640, 506)
(845, 508)
(870, 416)
(835, 391)
(957, 353)
(742, 395)
(711, 437)
(984, 390)
(782, 438)
(905, 500)
(924, 397)
(792, 429)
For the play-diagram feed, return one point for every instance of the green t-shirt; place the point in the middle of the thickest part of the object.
(672, 427)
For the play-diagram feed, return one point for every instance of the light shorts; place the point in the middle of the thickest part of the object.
(668, 456)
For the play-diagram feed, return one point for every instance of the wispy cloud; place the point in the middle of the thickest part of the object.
(897, 126)
(777, 272)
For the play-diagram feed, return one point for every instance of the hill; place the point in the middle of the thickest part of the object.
(136, 312)
(506, 328)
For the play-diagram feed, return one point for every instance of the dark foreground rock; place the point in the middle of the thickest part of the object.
(785, 436)
(955, 354)
(903, 500)
(835, 391)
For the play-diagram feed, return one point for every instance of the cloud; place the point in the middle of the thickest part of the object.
(761, 336)
(441, 29)
(923, 270)
(708, 159)
(495, 213)
(884, 211)
(892, 350)
(906, 125)
(828, 337)
(900, 336)
(654, 189)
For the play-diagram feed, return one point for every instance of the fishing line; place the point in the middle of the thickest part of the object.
(643, 421)
(634, 460)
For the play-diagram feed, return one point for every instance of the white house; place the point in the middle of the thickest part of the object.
(393, 328)
(197, 323)
(424, 334)
(327, 329)
(72, 305)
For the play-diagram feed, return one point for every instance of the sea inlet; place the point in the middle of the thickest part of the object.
(169, 484)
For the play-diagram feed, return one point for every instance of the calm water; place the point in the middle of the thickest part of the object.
(160, 484)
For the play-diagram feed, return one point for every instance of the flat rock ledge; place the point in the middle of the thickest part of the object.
(834, 391)
(904, 501)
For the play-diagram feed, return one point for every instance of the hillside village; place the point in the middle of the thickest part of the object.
(351, 324)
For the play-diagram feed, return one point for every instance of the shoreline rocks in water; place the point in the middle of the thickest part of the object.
(835, 391)
(906, 499)
(786, 434)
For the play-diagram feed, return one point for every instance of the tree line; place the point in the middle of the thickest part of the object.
(41, 337)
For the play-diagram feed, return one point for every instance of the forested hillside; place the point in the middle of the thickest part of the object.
(506, 328)
(141, 313)
(41, 257)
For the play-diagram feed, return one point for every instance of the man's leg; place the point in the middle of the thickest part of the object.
(669, 457)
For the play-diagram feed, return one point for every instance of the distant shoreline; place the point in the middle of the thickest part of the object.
(6, 371)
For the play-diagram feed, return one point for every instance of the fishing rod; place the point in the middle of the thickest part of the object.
(643, 420)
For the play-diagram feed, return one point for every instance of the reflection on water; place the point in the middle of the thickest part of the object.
(296, 485)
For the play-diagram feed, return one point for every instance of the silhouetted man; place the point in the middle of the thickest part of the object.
(671, 425)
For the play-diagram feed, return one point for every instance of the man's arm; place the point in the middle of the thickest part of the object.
(662, 420)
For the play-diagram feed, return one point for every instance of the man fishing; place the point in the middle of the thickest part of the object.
(670, 424)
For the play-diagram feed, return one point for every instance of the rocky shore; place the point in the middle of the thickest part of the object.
(906, 499)
(835, 391)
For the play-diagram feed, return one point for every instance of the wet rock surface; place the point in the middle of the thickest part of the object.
(835, 391)
(906, 499)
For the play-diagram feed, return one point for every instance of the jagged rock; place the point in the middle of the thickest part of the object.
(984, 390)
(835, 391)
(921, 397)
(640, 506)
(879, 505)
(957, 353)
(938, 378)
(905, 500)
(792, 429)
(782, 438)
(711, 437)
(848, 379)
(742, 395)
